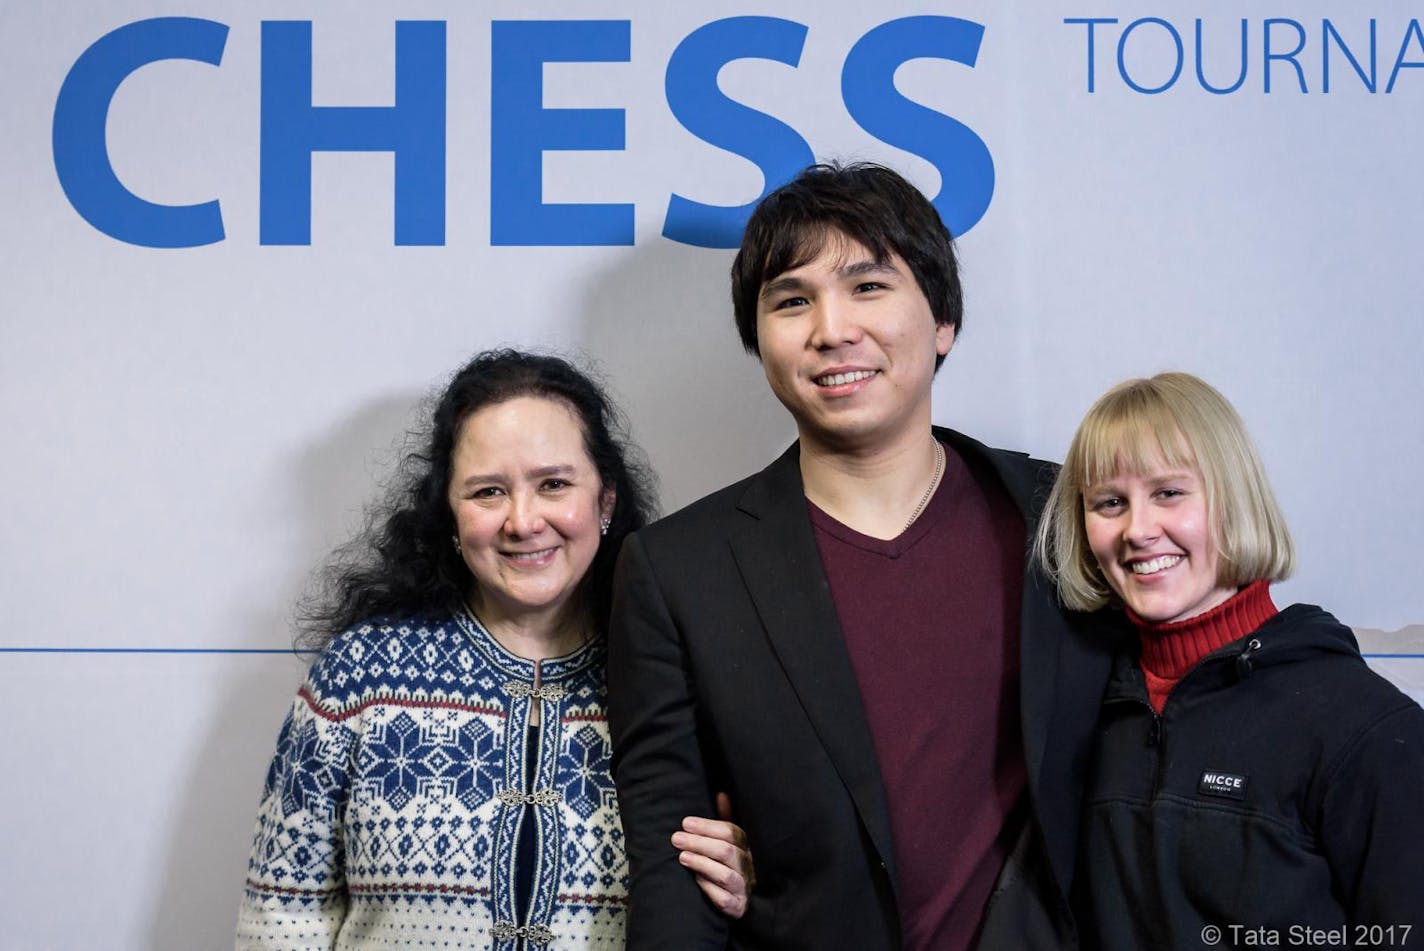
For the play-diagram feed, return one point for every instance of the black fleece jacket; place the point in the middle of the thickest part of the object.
(1278, 797)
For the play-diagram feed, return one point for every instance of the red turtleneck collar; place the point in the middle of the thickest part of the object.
(1171, 649)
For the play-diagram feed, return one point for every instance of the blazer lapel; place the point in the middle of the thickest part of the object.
(781, 567)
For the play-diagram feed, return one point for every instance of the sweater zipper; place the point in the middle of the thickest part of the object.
(1157, 738)
(1157, 729)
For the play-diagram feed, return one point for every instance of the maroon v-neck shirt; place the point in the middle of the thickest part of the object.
(931, 621)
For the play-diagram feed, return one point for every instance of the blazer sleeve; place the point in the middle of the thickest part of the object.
(658, 764)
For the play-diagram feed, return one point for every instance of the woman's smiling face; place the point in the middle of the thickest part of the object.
(527, 502)
(1152, 536)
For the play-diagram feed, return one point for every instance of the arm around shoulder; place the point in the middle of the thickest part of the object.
(658, 763)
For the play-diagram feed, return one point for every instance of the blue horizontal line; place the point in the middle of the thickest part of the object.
(293, 650)
(148, 650)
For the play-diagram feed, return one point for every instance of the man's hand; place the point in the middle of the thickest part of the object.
(716, 851)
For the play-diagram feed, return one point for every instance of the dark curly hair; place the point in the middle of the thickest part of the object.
(868, 203)
(403, 563)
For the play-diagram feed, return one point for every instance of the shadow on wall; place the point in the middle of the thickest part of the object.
(211, 835)
(659, 326)
(331, 485)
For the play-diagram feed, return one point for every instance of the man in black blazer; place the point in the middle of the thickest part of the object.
(853, 642)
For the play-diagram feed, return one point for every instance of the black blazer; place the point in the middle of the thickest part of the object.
(727, 670)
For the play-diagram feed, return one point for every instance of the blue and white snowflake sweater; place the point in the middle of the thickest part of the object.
(390, 816)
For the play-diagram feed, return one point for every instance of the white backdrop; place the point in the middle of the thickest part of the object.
(188, 430)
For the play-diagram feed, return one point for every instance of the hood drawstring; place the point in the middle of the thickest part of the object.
(1243, 659)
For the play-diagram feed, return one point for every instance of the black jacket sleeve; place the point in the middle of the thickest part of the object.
(1372, 826)
(657, 761)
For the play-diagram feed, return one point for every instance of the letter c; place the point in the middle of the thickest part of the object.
(81, 151)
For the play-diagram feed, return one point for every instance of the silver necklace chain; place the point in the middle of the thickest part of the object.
(934, 484)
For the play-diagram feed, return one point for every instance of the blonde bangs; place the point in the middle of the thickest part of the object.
(1130, 431)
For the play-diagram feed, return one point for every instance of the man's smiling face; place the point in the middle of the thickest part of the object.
(849, 346)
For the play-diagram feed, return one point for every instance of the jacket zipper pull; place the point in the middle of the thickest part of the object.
(1154, 732)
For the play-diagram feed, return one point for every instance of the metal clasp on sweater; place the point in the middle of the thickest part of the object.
(518, 797)
(520, 690)
(505, 930)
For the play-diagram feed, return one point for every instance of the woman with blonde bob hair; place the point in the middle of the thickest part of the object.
(1252, 776)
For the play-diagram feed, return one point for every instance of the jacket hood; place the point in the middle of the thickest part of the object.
(1296, 633)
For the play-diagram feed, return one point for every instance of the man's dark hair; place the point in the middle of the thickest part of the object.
(867, 203)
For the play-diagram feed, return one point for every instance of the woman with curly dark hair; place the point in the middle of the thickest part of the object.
(443, 777)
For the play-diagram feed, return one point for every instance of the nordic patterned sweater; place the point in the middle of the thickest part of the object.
(390, 815)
